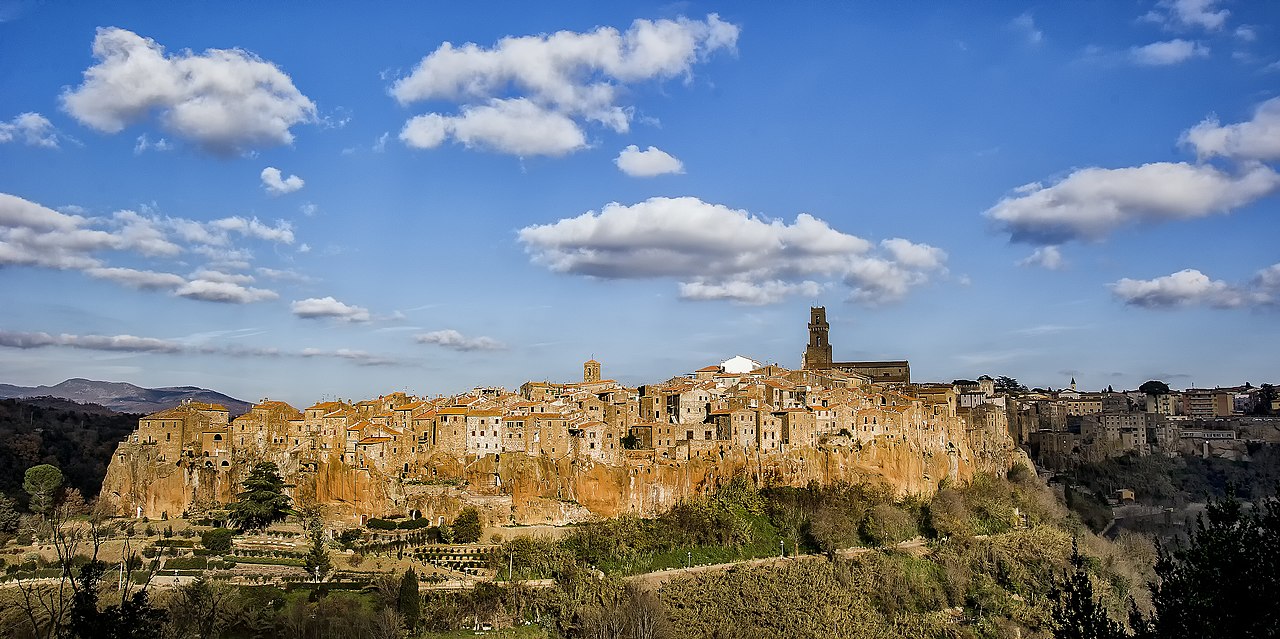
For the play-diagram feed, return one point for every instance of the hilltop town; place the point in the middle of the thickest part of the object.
(558, 452)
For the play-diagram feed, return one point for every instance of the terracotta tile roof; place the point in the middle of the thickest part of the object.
(372, 440)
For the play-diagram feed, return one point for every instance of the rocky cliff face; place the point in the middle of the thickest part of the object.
(522, 489)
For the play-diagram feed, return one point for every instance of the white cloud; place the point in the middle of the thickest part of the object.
(1046, 257)
(1246, 33)
(516, 127)
(1025, 25)
(1185, 288)
(647, 163)
(124, 343)
(17, 212)
(567, 75)
(715, 250)
(1170, 52)
(1184, 14)
(275, 184)
(224, 292)
(453, 340)
(219, 276)
(281, 233)
(133, 278)
(31, 129)
(380, 144)
(134, 344)
(286, 275)
(309, 209)
(226, 100)
(36, 236)
(322, 307)
(1256, 139)
(145, 144)
(1091, 203)
(745, 292)
(359, 357)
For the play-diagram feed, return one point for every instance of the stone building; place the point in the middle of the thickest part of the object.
(817, 355)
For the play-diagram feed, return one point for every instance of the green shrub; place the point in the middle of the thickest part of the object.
(887, 524)
(415, 524)
(381, 524)
(217, 540)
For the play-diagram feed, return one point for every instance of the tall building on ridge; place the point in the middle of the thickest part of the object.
(817, 355)
(591, 371)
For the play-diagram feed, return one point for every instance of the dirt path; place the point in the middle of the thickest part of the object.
(655, 580)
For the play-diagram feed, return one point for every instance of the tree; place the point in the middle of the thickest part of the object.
(133, 618)
(409, 603)
(630, 442)
(1224, 581)
(9, 516)
(1008, 384)
(263, 501)
(1154, 387)
(317, 560)
(466, 527)
(43, 483)
(1266, 395)
(1077, 614)
(217, 540)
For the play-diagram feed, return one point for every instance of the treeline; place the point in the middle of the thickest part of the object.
(77, 438)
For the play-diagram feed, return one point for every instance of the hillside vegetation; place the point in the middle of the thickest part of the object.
(80, 439)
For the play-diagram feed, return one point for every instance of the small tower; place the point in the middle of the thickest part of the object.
(591, 371)
(1073, 382)
(818, 353)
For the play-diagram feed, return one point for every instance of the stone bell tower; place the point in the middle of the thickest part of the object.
(818, 353)
(591, 371)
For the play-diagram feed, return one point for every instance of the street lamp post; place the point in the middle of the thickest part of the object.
(782, 547)
(688, 559)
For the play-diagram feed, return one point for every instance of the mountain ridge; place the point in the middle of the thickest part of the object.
(123, 397)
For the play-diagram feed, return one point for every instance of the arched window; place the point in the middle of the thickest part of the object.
(217, 437)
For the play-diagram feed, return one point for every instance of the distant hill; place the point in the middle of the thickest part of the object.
(125, 398)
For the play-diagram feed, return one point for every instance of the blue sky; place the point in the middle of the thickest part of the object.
(302, 204)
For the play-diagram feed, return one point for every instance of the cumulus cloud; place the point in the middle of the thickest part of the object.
(715, 249)
(31, 129)
(328, 307)
(550, 81)
(1186, 14)
(224, 292)
(1167, 53)
(647, 163)
(1091, 203)
(1046, 257)
(227, 101)
(276, 184)
(133, 344)
(516, 127)
(746, 292)
(37, 236)
(1190, 288)
(1185, 288)
(1256, 139)
(453, 340)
